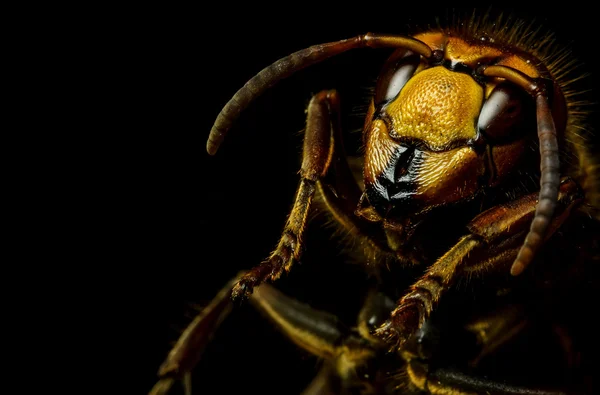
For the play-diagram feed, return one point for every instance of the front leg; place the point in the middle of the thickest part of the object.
(317, 155)
(416, 306)
(495, 239)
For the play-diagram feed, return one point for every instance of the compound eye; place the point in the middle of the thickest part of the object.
(502, 116)
(397, 71)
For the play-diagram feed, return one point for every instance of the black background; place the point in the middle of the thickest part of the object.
(178, 223)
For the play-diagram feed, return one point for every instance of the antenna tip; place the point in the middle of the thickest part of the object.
(211, 147)
(517, 268)
(524, 257)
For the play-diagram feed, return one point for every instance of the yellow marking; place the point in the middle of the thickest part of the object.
(364, 331)
(471, 53)
(417, 376)
(459, 51)
(436, 387)
(519, 64)
(448, 176)
(435, 40)
(348, 359)
(437, 106)
(380, 149)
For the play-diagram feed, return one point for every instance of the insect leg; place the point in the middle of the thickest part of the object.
(319, 333)
(495, 239)
(416, 306)
(315, 331)
(503, 227)
(189, 347)
(376, 309)
(428, 373)
(317, 157)
(339, 189)
(451, 381)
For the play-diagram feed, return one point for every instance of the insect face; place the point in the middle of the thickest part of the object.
(439, 133)
(418, 143)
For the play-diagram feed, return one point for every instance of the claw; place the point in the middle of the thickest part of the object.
(242, 290)
(389, 335)
(267, 271)
(403, 323)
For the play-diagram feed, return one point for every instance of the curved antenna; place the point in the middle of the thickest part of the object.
(284, 67)
(549, 163)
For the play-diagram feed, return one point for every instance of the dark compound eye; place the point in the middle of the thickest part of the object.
(504, 113)
(397, 71)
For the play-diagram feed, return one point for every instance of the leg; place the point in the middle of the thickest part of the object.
(439, 356)
(317, 332)
(341, 195)
(496, 236)
(450, 381)
(188, 349)
(323, 157)
(346, 356)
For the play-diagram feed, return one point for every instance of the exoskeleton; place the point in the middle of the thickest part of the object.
(473, 174)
